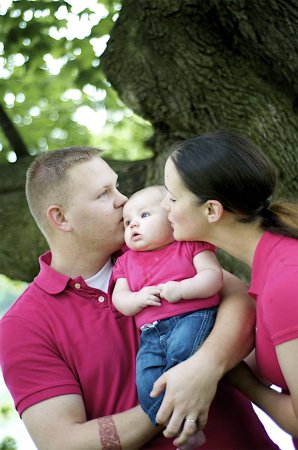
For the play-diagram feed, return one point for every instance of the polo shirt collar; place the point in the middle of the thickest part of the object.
(262, 262)
(48, 279)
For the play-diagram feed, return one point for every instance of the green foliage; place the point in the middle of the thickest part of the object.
(5, 410)
(9, 291)
(8, 443)
(128, 136)
(50, 68)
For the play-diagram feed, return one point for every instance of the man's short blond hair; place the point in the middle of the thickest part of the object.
(47, 180)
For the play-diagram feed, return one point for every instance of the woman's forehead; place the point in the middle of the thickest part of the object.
(172, 177)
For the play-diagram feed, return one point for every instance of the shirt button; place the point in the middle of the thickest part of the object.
(101, 299)
(77, 285)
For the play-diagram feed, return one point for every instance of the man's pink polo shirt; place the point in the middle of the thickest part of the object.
(63, 337)
(274, 284)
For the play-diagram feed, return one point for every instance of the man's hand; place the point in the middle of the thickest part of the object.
(171, 291)
(147, 296)
(189, 391)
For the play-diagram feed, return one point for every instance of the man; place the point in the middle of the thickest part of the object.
(67, 355)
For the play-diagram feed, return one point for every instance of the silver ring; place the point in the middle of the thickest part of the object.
(190, 420)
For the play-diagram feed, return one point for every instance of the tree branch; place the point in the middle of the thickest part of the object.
(12, 135)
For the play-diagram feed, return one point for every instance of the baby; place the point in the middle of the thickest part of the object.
(169, 286)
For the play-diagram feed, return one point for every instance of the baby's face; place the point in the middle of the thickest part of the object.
(145, 221)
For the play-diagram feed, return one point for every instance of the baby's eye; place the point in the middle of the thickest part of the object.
(145, 214)
(127, 222)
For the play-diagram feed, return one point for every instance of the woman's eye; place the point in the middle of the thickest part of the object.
(172, 199)
(145, 214)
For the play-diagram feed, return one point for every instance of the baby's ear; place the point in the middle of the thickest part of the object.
(214, 210)
(57, 219)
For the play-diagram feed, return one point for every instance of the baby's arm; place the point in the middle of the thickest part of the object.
(207, 281)
(130, 303)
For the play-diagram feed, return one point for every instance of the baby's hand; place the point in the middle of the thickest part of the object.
(194, 441)
(148, 296)
(171, 291)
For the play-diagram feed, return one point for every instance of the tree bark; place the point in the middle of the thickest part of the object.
(191, 67)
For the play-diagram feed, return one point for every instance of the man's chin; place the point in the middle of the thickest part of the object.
(119, 243)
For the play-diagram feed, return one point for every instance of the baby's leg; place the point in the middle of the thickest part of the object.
(150, 364)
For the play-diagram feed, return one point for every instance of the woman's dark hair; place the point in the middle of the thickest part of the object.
(229, 168)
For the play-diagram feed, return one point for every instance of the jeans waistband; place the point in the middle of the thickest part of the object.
(146, 326)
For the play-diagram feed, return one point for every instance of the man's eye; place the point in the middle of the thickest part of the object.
(145, 214)
(103, 193)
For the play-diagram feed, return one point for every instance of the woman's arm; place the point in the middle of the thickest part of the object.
(191, 385)
(282, 408)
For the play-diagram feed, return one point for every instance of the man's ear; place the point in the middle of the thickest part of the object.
(214, 210)
(56, 217)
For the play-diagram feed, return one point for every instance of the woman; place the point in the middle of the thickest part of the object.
(219, 190)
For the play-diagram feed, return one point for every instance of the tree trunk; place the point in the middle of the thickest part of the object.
(12, 135)
(189, 67)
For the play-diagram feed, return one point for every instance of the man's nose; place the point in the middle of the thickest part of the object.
(121, 199)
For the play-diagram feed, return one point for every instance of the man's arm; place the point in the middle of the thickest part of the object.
(191, 385)
(60, 423)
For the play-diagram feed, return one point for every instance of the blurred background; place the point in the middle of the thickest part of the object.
(131, 78)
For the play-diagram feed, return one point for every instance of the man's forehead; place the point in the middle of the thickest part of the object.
(96, 167)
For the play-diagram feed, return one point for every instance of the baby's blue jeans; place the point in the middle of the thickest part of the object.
(165, 343)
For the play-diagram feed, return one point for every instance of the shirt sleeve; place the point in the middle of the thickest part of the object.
(32, 367)
(199, 247)
(279, 307)
(119, 268)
